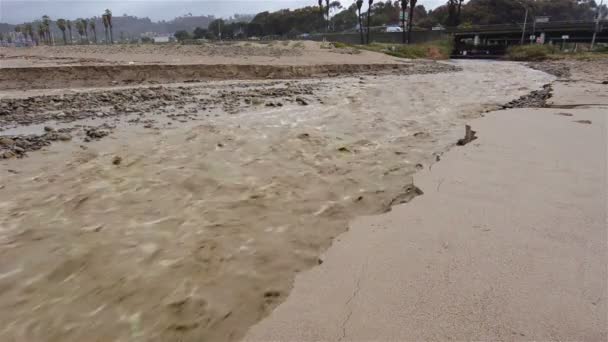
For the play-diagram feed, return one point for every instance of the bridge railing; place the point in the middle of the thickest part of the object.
(555, 25)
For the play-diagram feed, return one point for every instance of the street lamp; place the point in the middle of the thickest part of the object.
(523, 31)
(597, 24)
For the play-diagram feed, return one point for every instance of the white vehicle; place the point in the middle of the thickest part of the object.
(394, 29)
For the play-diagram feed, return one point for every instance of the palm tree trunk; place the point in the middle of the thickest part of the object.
(403, 24)
(361, 28)
(95, 35)
(369, 20)
(71, 37)
(65, 41)
(111, 36)
(409, 25)
(458, 13)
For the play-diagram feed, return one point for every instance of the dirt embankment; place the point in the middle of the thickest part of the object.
(108, 75)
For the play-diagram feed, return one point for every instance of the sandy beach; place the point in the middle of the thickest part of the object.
(183, 211)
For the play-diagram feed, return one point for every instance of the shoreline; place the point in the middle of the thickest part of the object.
(435, 268)
(335, 158)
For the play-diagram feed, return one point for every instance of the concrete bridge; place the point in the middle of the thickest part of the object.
(493, 40)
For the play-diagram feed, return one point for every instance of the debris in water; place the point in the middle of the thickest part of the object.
(469, 136)
(586, 122)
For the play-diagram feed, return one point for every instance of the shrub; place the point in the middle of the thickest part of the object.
(530, 52)
(440, 49)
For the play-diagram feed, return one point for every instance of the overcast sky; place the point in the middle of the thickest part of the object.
(18, 11)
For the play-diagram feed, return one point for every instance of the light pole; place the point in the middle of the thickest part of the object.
(219, 29)
(597, 24)
(523, 32)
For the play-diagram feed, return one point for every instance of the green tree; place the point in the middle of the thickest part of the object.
(61, 24)
(346, 19)
(200, 33)
(332, 6)
(92, 27)
(41, 32)
(219, 29)
(29, 31)
(182, 35)
(80, 28)
(46, 22)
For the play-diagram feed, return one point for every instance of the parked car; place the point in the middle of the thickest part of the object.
(394, 29)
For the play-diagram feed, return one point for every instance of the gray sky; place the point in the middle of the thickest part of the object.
(18, 11)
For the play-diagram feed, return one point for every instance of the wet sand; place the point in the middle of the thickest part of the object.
(194, 228)
(508, 241)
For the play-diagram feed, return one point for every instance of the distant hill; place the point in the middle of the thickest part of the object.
(6, 27)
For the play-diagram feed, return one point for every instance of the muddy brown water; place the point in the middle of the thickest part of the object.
(200, 229)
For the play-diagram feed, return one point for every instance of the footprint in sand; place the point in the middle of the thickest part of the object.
(586, 122)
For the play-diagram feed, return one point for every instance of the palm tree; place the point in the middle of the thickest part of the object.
(459, 10)
(104, 20)
(46, 22)
(403, 10)
(92, 27)
(85, 27)
(80, 29)
(327, 13)
(108, 14)
(411, 21)
(359, 5)
(17, 29)
(68, 23)
(321, 10)
(41, 31)
(369, 17)
(29, 30)
(61, 24)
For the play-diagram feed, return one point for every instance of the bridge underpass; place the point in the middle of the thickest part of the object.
(492, 41)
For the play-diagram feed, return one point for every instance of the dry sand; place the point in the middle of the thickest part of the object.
(48, 67)
(267, 53)
(508, 241)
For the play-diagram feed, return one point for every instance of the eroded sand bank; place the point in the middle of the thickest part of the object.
(507, 243)
(198, 229)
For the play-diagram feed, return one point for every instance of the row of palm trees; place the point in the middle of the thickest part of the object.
(82, 26)
(404, 7)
